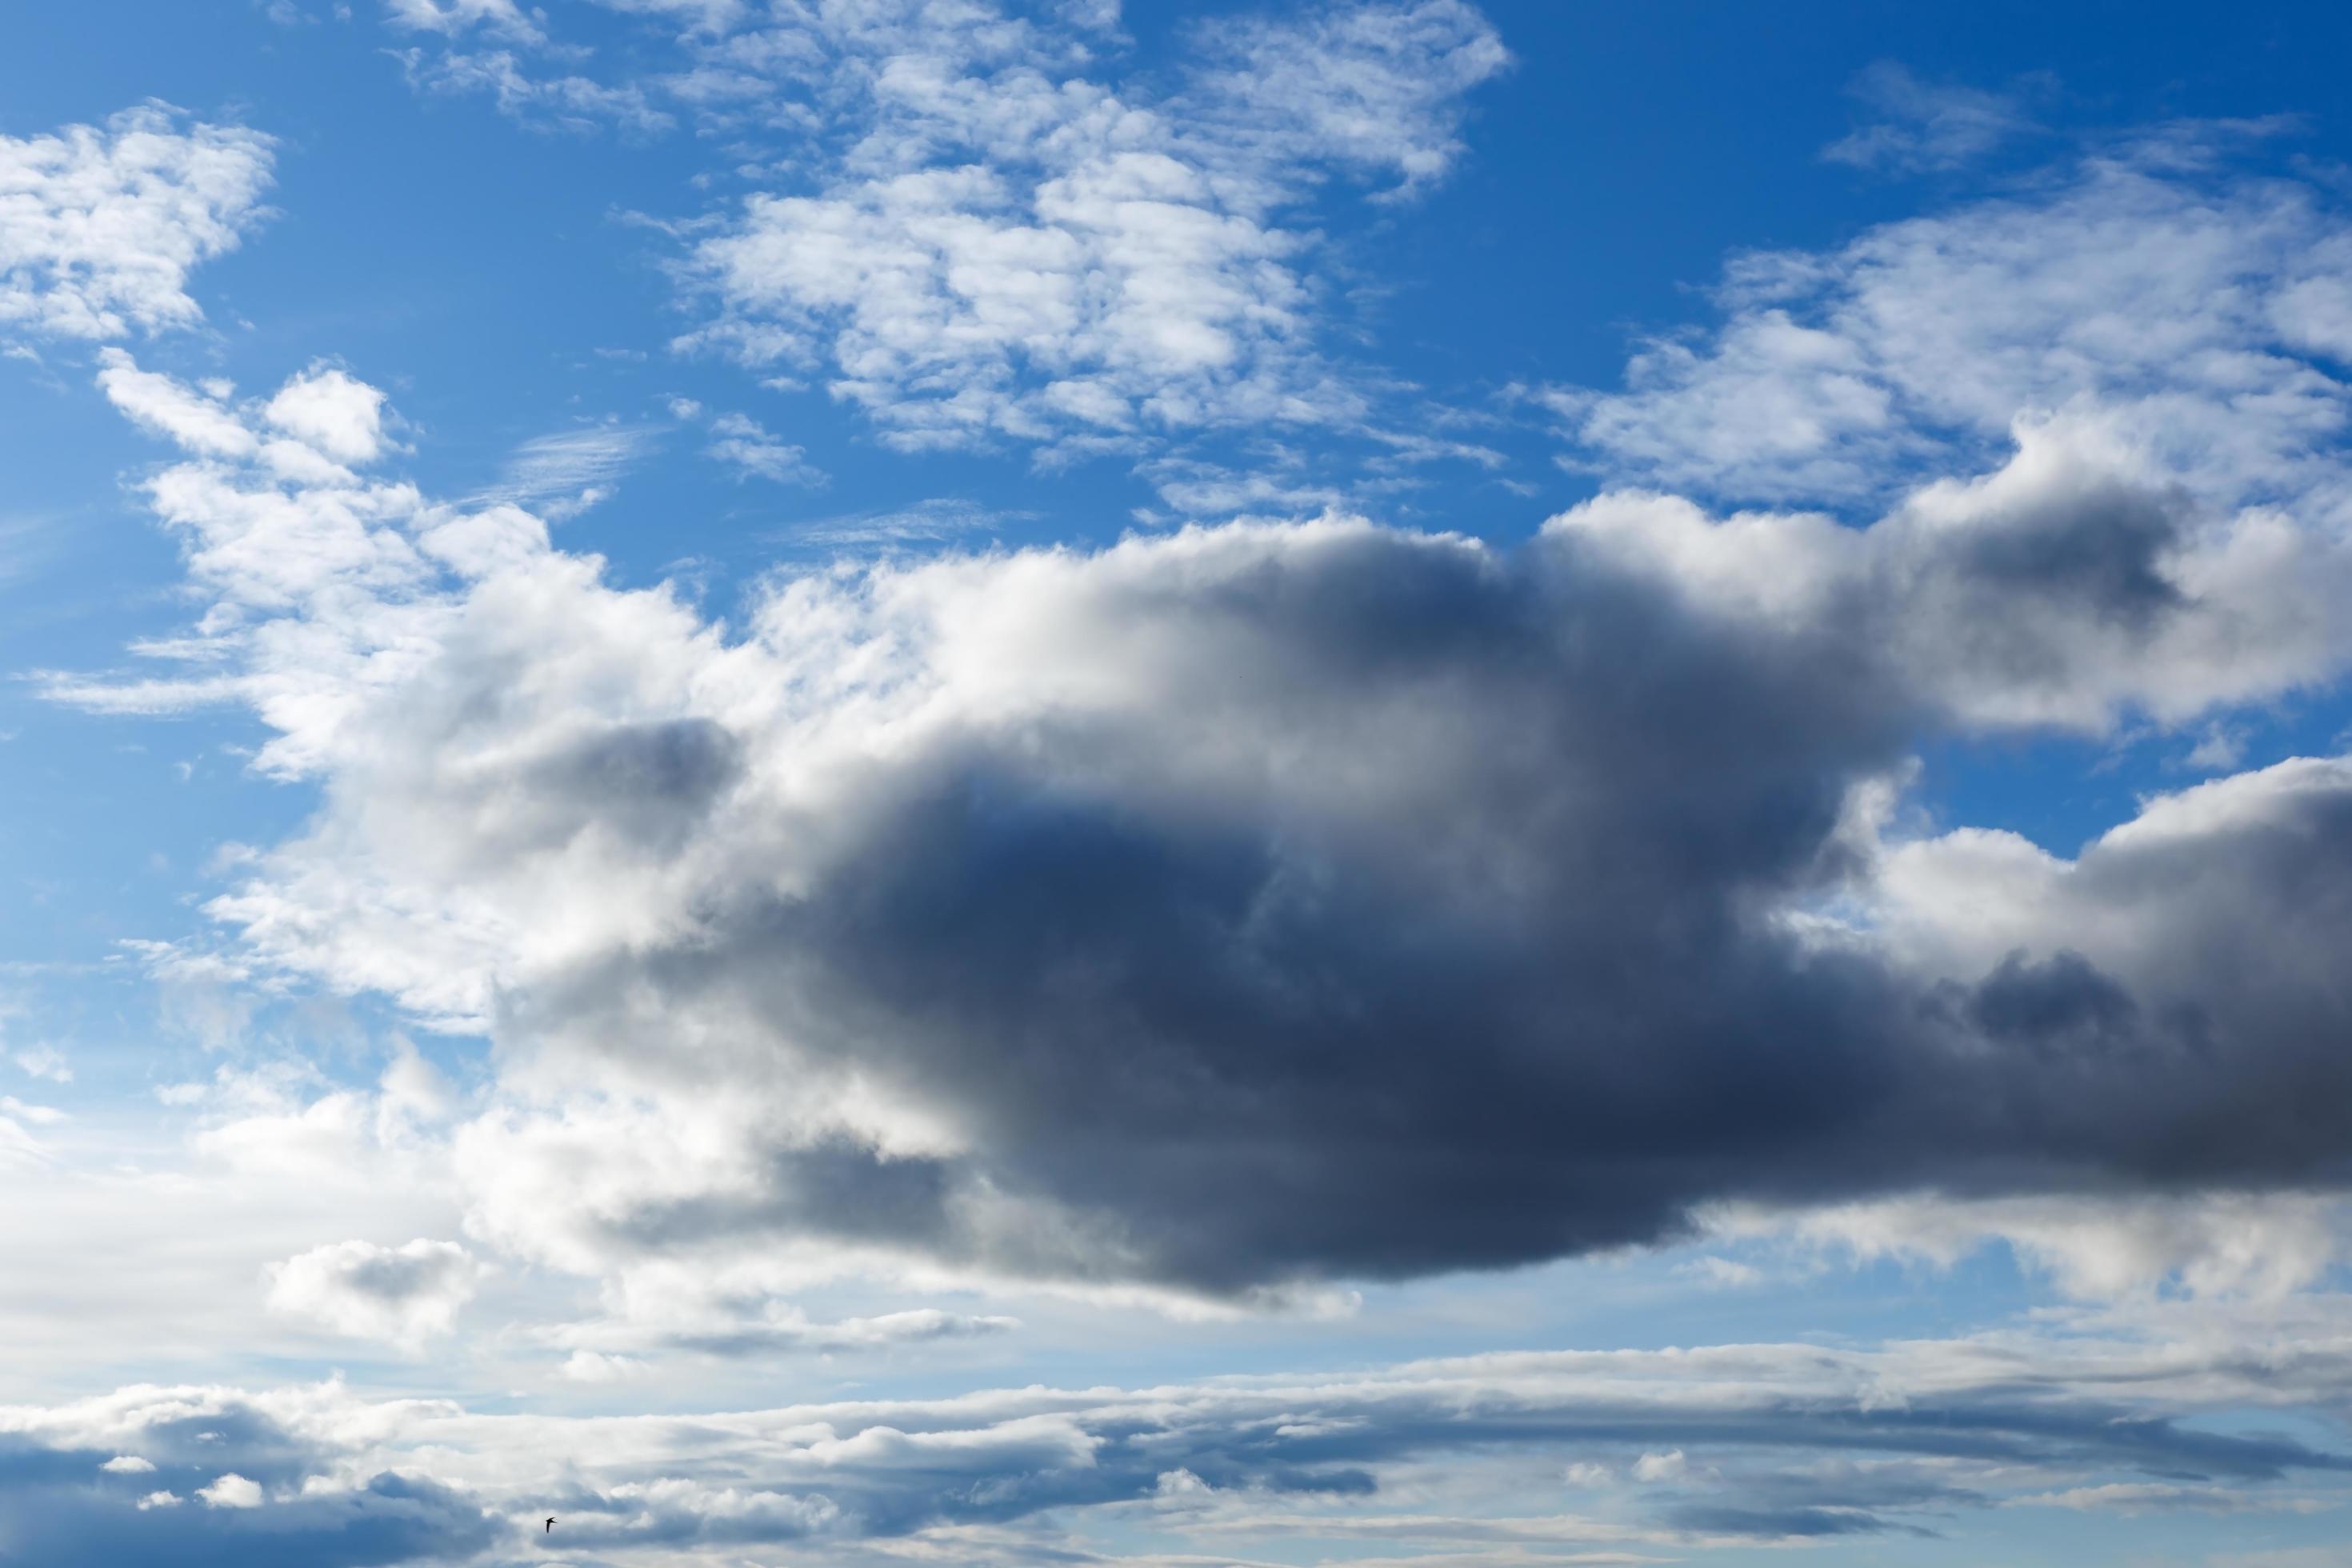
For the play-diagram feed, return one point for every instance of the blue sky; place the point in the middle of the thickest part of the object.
(883, 781)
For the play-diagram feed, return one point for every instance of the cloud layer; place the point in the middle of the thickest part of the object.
(1665, 1452)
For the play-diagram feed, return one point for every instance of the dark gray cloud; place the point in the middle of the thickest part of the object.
(1260, 906)
(1423, 916)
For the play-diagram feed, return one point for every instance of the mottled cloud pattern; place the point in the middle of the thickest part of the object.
(101, 225)
(983, 227)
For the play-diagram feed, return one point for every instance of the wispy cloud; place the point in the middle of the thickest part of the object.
(924, 522)
(1914, 126)
(562, 474)
(748, 447)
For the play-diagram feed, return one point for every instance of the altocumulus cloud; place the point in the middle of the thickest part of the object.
(100, 226)
(996, 241)
(1238, 908)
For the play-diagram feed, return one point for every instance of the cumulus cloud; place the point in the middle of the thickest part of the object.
(231, 1491)
(404, 1295)
(100, 226)
(1668, 1465)
(332, 414)
(187, 415)
(1249, 906)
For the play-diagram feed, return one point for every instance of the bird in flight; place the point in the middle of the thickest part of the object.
(551, 1525)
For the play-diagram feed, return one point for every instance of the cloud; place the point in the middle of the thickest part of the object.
(1668, 1465)
(166, 407)
(778, 1331)
(231, 1491)
(455, 16)
(2154, 1496)
(1795, 1441)
(1918, 126)
(329, 412)
(100, 227)
(997, 248)
(2263, 1247)
(2143, 289)
(1236, 910)
(570, 103)
(270, 1474)
(746, 445)
(404, 1295)
(564, 473)
(44, 1062)
(1379, 88)
(936, 520)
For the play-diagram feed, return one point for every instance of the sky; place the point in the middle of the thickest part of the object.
(1243, 786)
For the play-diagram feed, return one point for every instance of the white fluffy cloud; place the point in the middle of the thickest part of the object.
(2229, 851)
(100, 227)
(1002, 246)
(2070, 586)
(2193, 313)
(1666, 1466)
(404, 1295)
(329, 412)
(170, 408)
(231, 1490)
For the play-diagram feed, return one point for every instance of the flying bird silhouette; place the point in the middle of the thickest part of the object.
(551, 1525)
